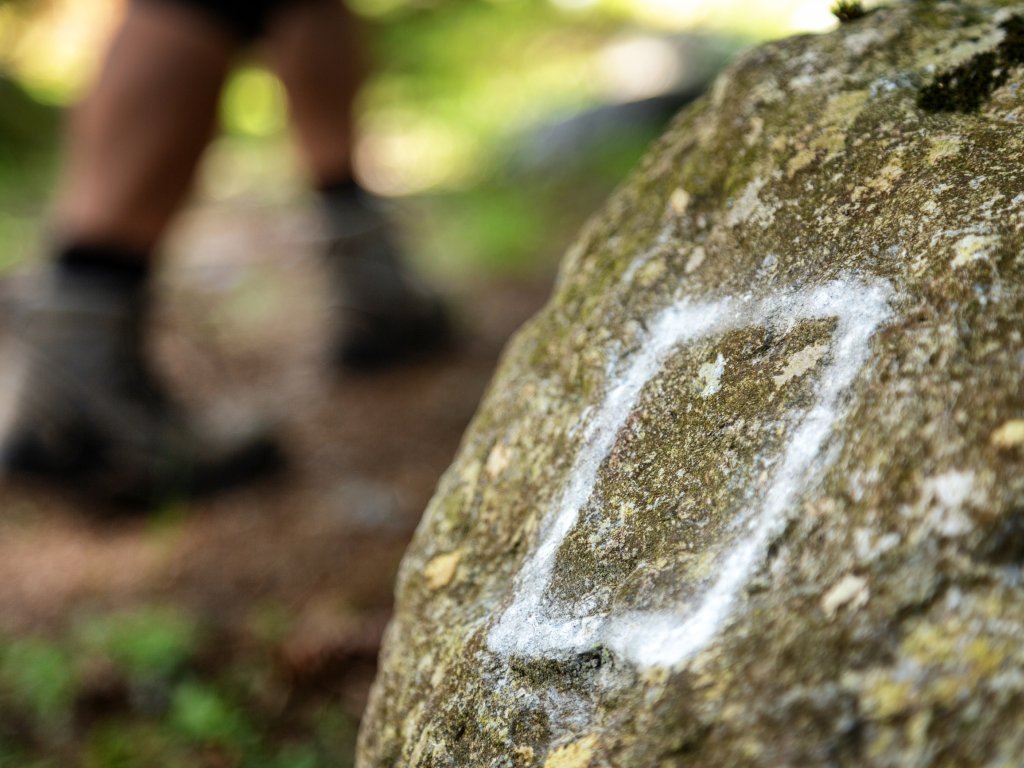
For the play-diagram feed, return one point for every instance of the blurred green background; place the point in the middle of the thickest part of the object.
(451, 116)
(497, 126)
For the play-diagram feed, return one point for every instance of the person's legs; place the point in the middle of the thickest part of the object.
(314, 48)
(383, 314)
(84, 409)
(135, 142)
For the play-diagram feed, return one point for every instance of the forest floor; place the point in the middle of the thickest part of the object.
(242, 631)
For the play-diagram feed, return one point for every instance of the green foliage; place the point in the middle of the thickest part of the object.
(497, 229)
(128, 744)
(25, 124)
(37, 676)
(336, 735)
(13, 757)
(202, 715)
(148, 643)
(296, 756)
(253, 104)
(28, 132)
(848, 10)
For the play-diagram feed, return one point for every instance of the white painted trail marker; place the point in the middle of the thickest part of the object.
(666, 638)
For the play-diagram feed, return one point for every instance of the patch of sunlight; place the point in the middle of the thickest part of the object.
(445, 143)
(253, 104)
(56, 51)
(638, 66)
(574, 5)
(401, 152)
(754, 20)
(12, 21)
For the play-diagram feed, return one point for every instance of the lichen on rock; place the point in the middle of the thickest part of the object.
(750, 489)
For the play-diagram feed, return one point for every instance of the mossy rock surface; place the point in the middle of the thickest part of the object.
(749, 491)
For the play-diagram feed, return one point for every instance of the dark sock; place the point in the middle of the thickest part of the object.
(126, 268)
(343, 188)
(350, 210)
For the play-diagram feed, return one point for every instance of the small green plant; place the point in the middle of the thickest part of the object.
(203, 716)
(336, 734)
(848, 10)
(295, 756)
(123, 743)
(147, 643)
(37, 676)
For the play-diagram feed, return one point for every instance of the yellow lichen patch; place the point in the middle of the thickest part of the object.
(655, 676)
(929, 644)
(525, 754)
(840, 112)
(935, 646)
(1009, 435)
(800, 363)
(883, 743)
(971, 248)
(942, 146)
(755, 131)
(441, 570)
(963, 51)
(470, 477)
(650, 273)
(424, 746)
(832, 141)
(579, 754)
(917, 730)
(497, 460)
(767, 92)
(954, 663)
(985, 657)
(843, 108)
(799, 161)
(696, 259)
(884, 180)
(679, 201)
(883, 697)
(850, 590)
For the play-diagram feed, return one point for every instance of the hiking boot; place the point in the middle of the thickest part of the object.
(84, 411)
(383, 314)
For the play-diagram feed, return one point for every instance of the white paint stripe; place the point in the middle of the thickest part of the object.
(662, 638)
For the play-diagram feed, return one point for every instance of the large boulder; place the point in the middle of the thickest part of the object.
(750, 490)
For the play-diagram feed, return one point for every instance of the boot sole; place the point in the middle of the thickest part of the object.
(81, 481)
(374, 353)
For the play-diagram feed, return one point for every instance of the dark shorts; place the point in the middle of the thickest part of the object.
(246, 19)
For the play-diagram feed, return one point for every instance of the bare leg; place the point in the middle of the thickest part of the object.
(135, 141)
(314, 49)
